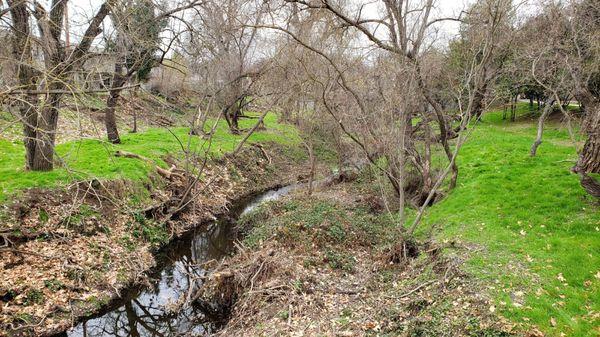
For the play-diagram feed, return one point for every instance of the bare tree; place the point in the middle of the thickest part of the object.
(394, 125)
(137, 48)
(50, 80)
(223, 53)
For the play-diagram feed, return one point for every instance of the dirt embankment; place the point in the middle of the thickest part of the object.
(65, 253)
(319, 266)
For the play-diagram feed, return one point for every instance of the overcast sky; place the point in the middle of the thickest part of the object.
(82, 10)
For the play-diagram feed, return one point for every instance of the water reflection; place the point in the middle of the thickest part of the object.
(147, 312)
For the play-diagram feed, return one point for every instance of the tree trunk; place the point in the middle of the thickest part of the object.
(134, 129)
(311, 175)
(135, 95)
(110, 120)
(235, 118)
(589, 158)
(46, 135)
(478, 100)
(21, 50)
(442, 123)
(513, 108)
(29, 114)
(540, 131)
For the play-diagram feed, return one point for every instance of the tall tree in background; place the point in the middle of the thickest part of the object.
(223, 48)
(138, 29)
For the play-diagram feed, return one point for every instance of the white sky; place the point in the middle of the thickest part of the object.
(82, 10)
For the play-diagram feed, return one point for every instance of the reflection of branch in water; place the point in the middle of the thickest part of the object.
(131, 319)
(135, 319)
(216, 244)
(156, 321)
(212, 243)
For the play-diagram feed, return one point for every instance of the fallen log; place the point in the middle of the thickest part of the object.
(165, 173)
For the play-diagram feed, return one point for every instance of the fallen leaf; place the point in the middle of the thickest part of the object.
(552, 321)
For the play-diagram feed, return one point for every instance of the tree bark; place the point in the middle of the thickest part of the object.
(46, 135)
(513, 108)
(110, 120)
(312, 163)
(478, 101)
(589, 158)
(26, 74)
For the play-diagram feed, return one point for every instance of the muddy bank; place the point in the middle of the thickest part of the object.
(68, 253)
(318, 265)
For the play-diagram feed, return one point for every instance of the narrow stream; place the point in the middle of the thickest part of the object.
(145, 311)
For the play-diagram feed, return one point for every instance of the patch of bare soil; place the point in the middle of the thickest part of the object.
(317, 266)
(66, 253)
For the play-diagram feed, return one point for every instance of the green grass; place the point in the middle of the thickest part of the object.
(90, 158)
(537, 231)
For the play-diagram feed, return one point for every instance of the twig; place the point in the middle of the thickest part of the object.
(412, 291)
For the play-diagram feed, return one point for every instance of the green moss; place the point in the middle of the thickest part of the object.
(34, 296)
(54, 284)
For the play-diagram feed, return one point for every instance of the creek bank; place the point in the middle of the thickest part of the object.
(318, 265)
(70, 252)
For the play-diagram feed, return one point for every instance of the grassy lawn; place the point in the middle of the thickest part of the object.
(89, 158)
(536, 230)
